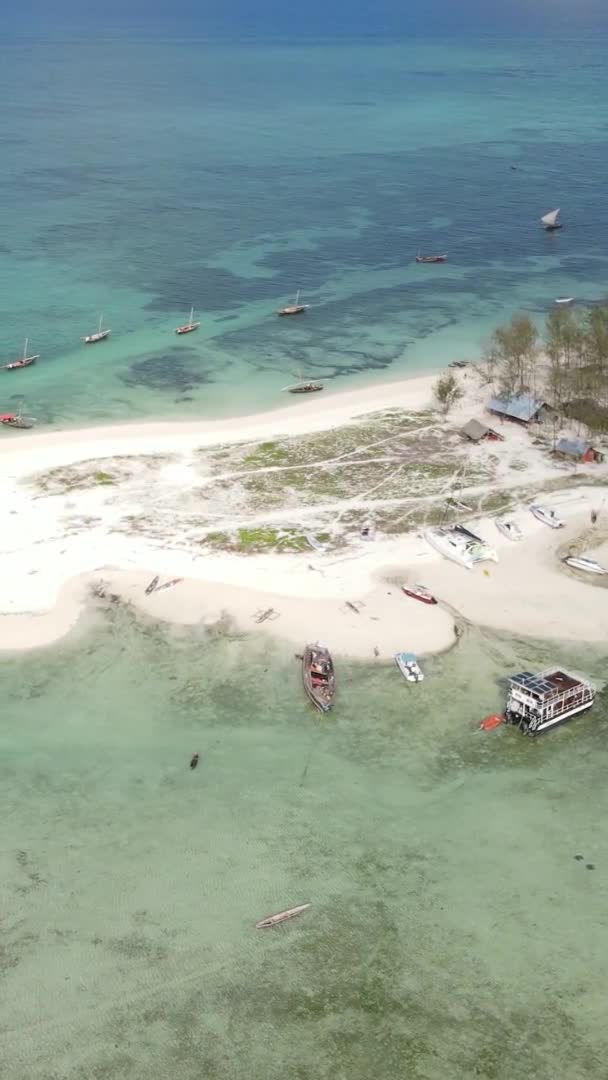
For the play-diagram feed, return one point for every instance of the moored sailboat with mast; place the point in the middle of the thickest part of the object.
(188, 327)
(25, 361)
(97, 335)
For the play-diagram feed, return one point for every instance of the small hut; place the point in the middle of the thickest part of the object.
(578, 450)
(475, 432)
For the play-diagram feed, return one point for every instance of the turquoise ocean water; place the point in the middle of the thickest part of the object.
(458, 879)
(140, 176)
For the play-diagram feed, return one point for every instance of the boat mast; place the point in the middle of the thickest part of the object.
(25, 348)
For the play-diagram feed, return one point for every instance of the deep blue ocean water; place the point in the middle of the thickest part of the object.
(141, 175)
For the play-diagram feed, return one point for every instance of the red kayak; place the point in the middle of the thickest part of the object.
(418, 592)
(491, 722)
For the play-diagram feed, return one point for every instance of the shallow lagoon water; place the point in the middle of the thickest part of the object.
(452, 933)
(143, 175)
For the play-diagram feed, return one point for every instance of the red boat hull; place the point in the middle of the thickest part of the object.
(420, 596)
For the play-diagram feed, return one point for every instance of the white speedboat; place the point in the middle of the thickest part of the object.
(564, 300)
(409, 666)
(460, 545)
(590, 566)
(509, 528)
(547, 516)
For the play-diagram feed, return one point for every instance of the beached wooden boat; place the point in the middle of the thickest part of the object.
(430, 258)
(419, 592)
(318, 676)
(281, 917)
(97, 335)
(16, 420)
(294, 309)
(188, 327)
(25, 361)
(551, 220)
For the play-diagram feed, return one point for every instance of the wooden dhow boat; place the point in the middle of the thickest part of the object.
(281, 917)
(551, 220)
(318, 676)
(97, 335)
(294, 309)
(431, 258)
(304, 388)
(16, 420)
(25, 361)
(419, 592)
(188, 327)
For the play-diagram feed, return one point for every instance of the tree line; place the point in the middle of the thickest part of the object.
(567, 364)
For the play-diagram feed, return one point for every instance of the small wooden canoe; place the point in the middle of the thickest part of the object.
(419, 592)
(281, 917)
(318, 676)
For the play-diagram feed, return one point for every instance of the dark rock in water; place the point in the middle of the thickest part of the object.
(579, 858)
(167, 371)
(589, 866)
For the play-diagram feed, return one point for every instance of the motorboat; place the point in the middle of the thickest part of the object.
(564, 300)
(590, 566)
(419, 592)
(318, 676)
(509, 528)
(409, 666)
(459, 544)
(281, 917)
(547, 516)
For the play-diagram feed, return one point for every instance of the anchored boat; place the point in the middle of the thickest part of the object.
(409, 666)
(538, 702)
(430, 258)
(318, 676)
(188, 327)
(16, 420)
(281, 917)
(25, 361)
(97, 335)
(294, 309)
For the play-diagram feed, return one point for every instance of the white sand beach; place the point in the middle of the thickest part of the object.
(56, 546)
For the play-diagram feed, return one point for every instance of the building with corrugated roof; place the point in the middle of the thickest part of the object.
(578, 450)
(522, 408)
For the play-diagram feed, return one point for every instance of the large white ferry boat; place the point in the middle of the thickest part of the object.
(460, 544)
(539, 702)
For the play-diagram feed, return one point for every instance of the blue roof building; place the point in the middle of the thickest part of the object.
(521, 407)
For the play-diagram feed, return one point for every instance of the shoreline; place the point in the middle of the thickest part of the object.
(53, 555)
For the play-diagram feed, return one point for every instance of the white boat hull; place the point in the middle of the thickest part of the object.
(547, 517)
(553, 721)
(589, 566)
(509, 529)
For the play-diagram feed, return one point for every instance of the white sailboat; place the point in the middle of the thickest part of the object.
(459, 544)
(551, 220)
(188, 327)
(97, 335)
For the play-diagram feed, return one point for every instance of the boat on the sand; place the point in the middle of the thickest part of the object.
(509, 528)
(580, 562)
(318, 676)
(431, 258)
(16, 420)
(459, 544)
(409, 666)
(547, 516)
(152, 586)
(281, 917)
(419, 592)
